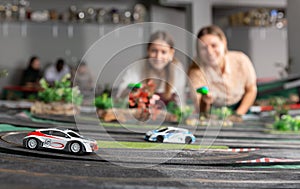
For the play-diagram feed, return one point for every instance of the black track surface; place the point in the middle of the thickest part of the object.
(144, 168)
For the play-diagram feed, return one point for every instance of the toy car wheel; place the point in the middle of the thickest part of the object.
(32, 143)
(160, 139)
(188, 140)
(75, 147)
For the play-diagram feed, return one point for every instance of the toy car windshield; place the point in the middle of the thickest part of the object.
(72, 134)
(162, 129)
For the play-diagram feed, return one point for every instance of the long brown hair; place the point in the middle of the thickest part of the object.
(163, 36)
(212, 30)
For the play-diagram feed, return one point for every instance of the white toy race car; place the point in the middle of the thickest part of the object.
(60, 139)
(170, 134)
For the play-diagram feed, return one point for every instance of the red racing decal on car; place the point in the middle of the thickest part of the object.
(57, 145)
(36, 133)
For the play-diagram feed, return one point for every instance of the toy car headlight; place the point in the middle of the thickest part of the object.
(149, 133)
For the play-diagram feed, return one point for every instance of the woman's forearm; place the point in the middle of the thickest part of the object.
(247, 100)
(204, 107)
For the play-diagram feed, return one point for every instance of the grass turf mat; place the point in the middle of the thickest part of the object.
(8, 127)
(106, 124)
(153, 145)
(41, 120)
(276, 132)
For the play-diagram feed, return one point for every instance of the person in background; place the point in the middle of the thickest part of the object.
(161, 67)
(32, 74)
(84, 79)
(56, 71)
(229, 75)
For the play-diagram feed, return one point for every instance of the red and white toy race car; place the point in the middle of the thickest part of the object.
(60, 139)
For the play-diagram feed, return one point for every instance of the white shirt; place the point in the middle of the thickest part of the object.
(51, 74)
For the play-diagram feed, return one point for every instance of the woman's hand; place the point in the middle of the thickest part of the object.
(207, 99)
(205, 102)
(236, 118)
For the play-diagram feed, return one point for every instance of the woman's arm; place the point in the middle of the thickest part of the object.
(247, 100)
(192, 81)
(196, 80)
(250, 85)
(205, 103)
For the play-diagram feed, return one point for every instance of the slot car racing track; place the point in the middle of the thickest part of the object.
(276, 161)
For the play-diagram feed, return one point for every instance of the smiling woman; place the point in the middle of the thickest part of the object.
(161, 66)
(229, 75)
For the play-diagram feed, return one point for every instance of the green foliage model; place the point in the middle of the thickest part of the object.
(287, 123)
(280, 106)
(283, 121)
(3, 73)
(221, 112)
(61, 91)
(181, 113)
(103, 101)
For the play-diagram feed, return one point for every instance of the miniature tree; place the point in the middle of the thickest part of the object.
(59, 99)
(280, 106)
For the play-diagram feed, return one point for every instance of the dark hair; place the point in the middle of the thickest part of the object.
(31, 60)
(213, 30)
(60, 64)
(60, 61)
